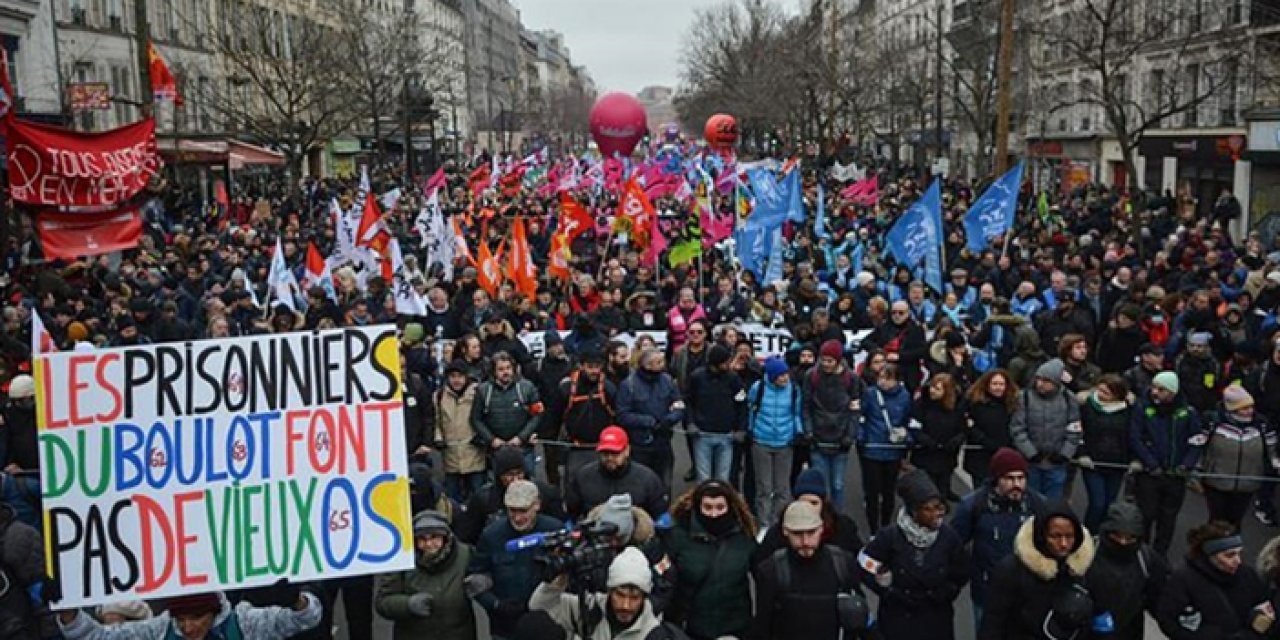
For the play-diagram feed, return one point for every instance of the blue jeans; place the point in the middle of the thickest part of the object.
(461, 486)
(1049, 481)
(712, 455)
(1102, 486)
(831, 465)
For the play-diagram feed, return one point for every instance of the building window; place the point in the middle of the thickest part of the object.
(121, 87)
(83, 72)
(1195, 20)
(1156, 93)
(1227, 96)
(1193, 95)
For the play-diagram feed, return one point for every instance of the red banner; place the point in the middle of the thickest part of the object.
(55, 167)
(72, 235)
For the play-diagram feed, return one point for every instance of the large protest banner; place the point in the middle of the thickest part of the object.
(217, 464)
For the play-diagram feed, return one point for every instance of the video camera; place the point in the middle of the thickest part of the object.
(581, 552)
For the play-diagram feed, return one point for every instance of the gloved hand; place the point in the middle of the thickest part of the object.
(50, 590)
(1135, 466)
(510, 609)
(739, 437)
(281, 594)
(846, 443)
(420, 605)
(1085, 462)
(476, 584)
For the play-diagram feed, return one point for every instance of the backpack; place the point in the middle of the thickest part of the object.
(599, 394)
(759, 398)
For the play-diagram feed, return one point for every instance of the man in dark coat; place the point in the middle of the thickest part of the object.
(1126, 576)
(614, 473)
(903, 342)
(808, 589)
(485, 505)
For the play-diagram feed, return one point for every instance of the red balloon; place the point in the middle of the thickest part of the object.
(618, 122)
(721, 131)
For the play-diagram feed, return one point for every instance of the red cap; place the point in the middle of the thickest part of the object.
(613, 440)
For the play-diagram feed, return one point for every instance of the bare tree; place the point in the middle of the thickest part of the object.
(285, 86)
(1191, 51)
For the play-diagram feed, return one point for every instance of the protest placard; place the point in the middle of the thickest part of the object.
(220, 464)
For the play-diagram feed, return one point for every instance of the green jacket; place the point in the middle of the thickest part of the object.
(713, 597)
(452, 617)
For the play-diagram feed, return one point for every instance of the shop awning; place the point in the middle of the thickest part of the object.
(233, 153)
(243, 154)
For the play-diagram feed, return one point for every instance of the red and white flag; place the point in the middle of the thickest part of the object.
(318, 273)
(41, 339)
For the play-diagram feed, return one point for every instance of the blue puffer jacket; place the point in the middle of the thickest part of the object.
(1162, 435)
(775, 415)
(644, 407)
(874, 431)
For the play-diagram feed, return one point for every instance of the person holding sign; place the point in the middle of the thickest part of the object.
(207, 616)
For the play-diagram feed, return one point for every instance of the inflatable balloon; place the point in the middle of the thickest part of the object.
(617, 123)
(721, 132)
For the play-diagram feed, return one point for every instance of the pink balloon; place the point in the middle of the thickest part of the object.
(617, 123)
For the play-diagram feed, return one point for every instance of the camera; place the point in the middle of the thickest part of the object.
(583, 553)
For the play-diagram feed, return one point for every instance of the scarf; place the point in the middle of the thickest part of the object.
(430, 563)
(918, 536)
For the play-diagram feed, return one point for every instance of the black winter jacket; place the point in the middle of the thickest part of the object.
(1026, 584)
(717, 401)
(1199, 602)
(990, 430)
(940, 436)
(918, 601)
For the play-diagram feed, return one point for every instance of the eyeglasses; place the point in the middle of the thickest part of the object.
(899, 312)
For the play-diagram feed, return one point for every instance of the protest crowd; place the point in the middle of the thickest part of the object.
(695, 363)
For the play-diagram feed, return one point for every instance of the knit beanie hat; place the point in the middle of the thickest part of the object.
(915, 488)
(413, 333)
(1051, 370)
(128, 609)
(1167, 380)
(810, 482)
(194, 605)
(832, 349)
(630, 569)
(430, 521)
(774, 368)
(507, 459)
(551, 337)
(1005, 461)
(1235, 398)
(718, 355)
(617, 511)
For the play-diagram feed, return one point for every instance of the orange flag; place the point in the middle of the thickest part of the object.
(558, 260)
(489, 274)
(637, 212)
(520, 267)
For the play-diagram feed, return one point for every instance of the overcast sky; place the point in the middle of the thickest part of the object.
(627, 45)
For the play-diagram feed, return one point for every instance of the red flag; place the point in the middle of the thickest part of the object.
(478, 181)
(163, 85)
(489, 274)
(41, 340)
(636, 209)
(370, 223)
(574, 218)
(520, 267)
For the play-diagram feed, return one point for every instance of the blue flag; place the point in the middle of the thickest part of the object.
(775, 256)
(820, 222)
(917, 236)
(771, 200)
(795, 199)
(993, 213)
(750, 244)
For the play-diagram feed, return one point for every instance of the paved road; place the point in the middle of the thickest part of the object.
(1193, 513)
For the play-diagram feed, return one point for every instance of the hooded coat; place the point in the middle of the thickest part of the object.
(1126, 581)
(918, 602)
(452, 616)
(453, 425)
(1027, 355)
(713, 595)
(1028, 582)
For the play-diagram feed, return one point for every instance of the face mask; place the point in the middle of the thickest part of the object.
(719, 525)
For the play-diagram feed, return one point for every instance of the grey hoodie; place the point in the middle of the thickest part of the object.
(1046, 425)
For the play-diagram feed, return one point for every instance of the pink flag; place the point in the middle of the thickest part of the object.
(613, 174)
(657, 244)
(434, 182)
(863, 192)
